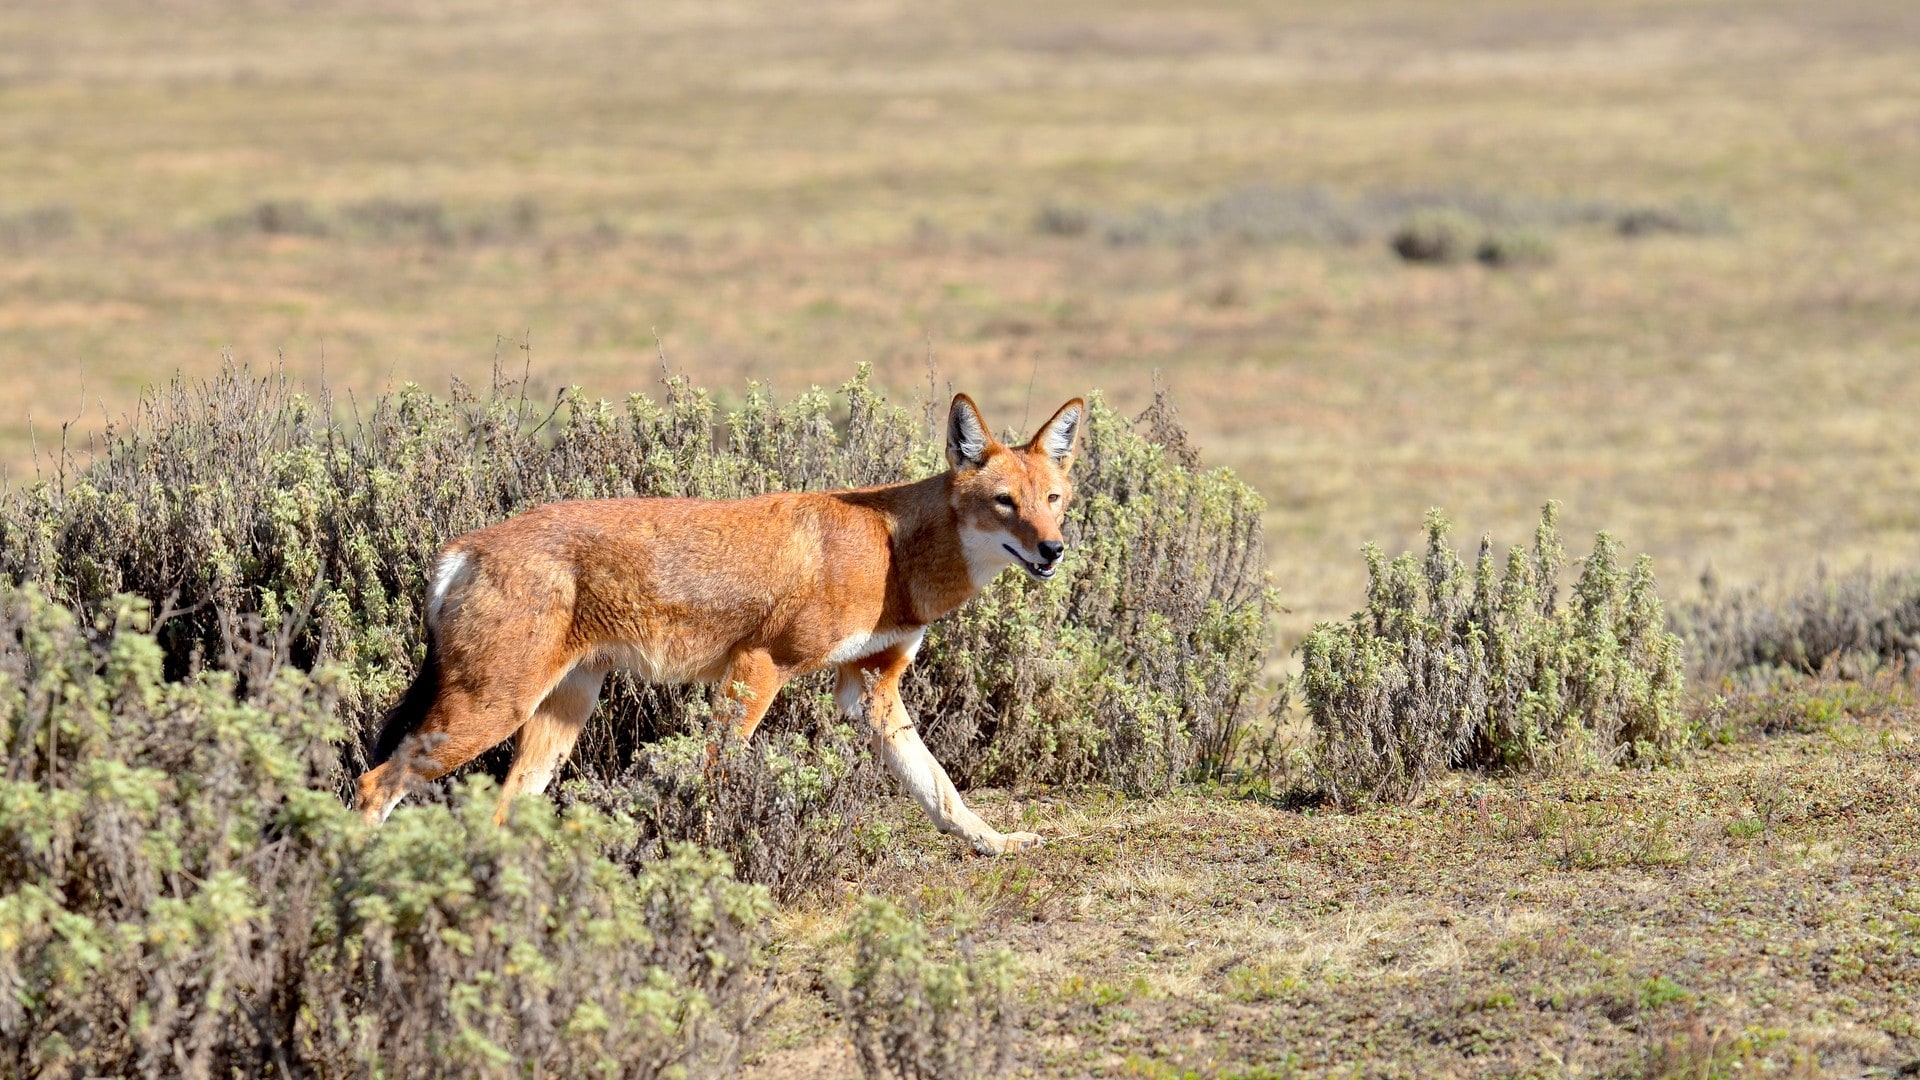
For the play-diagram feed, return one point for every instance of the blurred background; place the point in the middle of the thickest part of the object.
(1658, 260)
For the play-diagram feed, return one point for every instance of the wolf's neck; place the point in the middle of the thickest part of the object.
(932, 568)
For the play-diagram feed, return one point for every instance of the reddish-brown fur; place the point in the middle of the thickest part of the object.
(527, 616)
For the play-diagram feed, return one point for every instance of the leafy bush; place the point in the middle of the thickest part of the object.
(1851, 624)
(1486, 670)
(921, 1008)
(786, 808)
(180, 895)
(1136, 665)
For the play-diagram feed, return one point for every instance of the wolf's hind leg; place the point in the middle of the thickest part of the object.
(542, 744)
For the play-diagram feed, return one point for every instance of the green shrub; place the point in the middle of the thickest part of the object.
(1135, 666)
(1515, 247)
(182, 895)
(1485, 670)
(1440, 235)
(922, 1008)
(786, 809)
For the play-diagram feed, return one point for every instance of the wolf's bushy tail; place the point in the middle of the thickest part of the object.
(405, 718)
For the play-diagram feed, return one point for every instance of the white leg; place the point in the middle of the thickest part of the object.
(910, 761)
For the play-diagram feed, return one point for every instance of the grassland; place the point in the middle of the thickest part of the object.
(781, 195)
(395, 191)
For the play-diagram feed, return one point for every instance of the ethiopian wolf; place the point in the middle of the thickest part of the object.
(526, 617)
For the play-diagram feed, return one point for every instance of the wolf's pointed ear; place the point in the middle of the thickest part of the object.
(967, 438)
(1057, 437)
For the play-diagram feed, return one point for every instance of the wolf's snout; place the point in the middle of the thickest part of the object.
(1050, 550)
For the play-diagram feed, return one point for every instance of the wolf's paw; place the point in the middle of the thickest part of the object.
(1018, 841)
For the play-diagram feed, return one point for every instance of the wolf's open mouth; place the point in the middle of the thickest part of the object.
(1034, 568)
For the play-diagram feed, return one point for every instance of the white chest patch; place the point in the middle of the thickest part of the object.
(858, 646)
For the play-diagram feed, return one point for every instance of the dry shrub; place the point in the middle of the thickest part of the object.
(1687, 217)
(1848, 624)
(1137, 665)
(1267, 214)
(920, 1007)
(181, 894)
(1484, 670)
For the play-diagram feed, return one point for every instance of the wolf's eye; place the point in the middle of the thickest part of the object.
(1054, 498)
(1004, 499)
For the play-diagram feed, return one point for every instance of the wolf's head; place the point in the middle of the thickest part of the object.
(1010, 500)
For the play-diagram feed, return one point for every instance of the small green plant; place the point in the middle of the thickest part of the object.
(1660, 991)
(922, 1008)
(1437, 235)
(1515, 247)
(1260, 982)
(1447, 668)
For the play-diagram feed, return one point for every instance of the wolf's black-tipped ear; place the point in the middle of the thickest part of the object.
(967, 438)
(1057, 437)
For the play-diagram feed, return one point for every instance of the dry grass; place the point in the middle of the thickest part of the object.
(780, 196)
(1755, 905)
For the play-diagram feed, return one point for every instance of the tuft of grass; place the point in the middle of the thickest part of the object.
(1687, 217)
(1447, 668)
(391, 221)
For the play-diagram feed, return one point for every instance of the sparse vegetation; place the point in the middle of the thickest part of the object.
(1515, 247)
(35, 225)
(1490, 670)
(397, 221)
(1851, 624)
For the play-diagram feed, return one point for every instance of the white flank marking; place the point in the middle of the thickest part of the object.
(451, 573)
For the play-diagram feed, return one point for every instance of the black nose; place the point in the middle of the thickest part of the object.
(1050, 550)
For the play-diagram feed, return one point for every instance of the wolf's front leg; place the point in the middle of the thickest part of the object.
(927, 782)
(878, 703)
